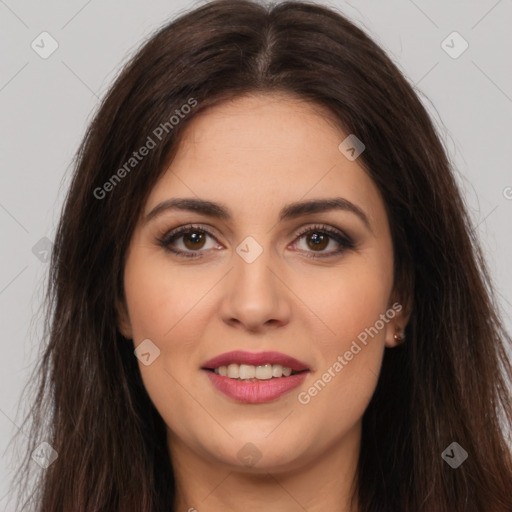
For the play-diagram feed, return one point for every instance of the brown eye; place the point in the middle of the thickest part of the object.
(188, 241)
(194, 240)
(317, 241)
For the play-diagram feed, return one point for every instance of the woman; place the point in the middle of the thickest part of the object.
(265, 292)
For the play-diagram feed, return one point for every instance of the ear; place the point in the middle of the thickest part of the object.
(398, 313)
(123, 320)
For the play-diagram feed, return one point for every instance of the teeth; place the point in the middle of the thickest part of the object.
(250, 372)
(233, 371)
(263, 372)
(277, 370)
(247, 372)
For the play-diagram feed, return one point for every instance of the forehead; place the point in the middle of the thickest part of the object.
(263, 151)
(266, 126)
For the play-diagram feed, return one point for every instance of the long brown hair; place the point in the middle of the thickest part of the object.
(448, 383)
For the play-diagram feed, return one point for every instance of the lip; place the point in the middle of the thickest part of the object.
(255, 359)
(259, 391)
(255, 392)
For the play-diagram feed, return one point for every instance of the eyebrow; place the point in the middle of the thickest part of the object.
(288, 212)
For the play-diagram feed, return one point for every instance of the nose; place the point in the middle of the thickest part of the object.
(255, 296)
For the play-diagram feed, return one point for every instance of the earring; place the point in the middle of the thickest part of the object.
(399, 338)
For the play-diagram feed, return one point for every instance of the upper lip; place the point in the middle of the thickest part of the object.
(255, 359)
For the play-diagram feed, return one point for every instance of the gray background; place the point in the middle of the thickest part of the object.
(46, 104)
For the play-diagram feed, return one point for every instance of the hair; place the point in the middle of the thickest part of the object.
(450, 380)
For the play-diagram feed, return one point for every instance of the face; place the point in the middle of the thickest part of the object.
(258, 273)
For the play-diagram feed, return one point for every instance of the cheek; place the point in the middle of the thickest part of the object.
(159, 298)
(165, 306)
(172, 307)
(352, 307)
(350, 299)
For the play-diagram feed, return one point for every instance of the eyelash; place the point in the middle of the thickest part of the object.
(343, 240)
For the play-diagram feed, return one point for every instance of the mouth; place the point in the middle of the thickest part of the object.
(255, 377)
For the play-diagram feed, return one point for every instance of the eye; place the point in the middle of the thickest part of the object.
(317, 238)
(190, 241)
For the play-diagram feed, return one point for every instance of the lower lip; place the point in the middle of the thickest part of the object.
(256, 392)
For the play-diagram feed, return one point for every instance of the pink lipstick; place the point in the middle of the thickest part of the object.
(255, 377)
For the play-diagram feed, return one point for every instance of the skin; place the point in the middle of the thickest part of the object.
(255, 155)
